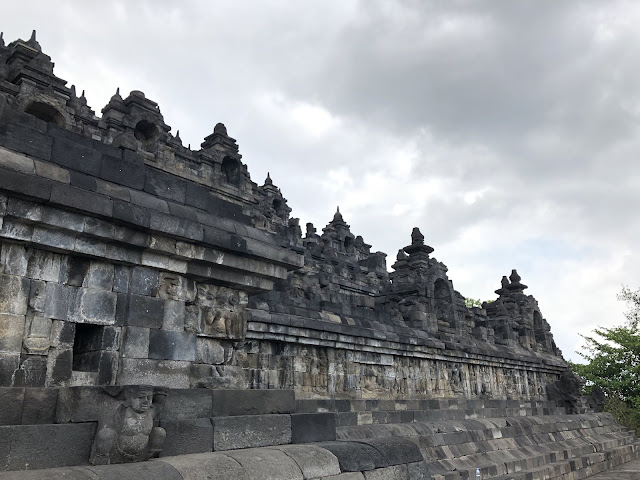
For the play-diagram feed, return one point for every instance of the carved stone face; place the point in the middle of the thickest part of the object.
(140, 400)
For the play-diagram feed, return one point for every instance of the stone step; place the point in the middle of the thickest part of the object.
(437, 404)
(460, 431)
(43, 446)
(503, 447)
(575, 468)
(408, 416)
(498, 462)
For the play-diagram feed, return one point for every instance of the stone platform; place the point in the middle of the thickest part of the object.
(156, 303)
(271, 435)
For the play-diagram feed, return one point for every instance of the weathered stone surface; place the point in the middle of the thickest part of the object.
(189, 435)
(11, 331)
(165, 185)
(83, 404)
(57, 301)
(163, 373)
(128, 172)
(39, 406)
(136, 471)
(187, 403)
(313, 461)
(145, 312)
(169, 345)
(355, 457)
(42, 446)
(93, 306)
(252, 402)
(28, 140)
(9, 363)
(204, 466)
(11, 399)
(15, 258)
(250, 431)
(267, 464)
(100, 276)
(209, 350)
(388, 473)
(395, 450)
(346, 476)
(135, 342)
(313, 427)
(14, 294)
(64, 473)
(69, 154)
(174, 314)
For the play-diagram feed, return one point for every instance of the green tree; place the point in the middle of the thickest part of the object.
(613, 362)
(474, 302)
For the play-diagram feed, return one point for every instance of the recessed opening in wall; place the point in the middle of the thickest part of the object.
(348, 243)
(86, 347)
(146, 132)
(441, 290)
(231, 170)
(276, 204)
(45, 112)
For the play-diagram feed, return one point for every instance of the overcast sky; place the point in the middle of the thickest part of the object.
(506, 130)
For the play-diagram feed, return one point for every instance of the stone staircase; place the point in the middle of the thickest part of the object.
(499, 439)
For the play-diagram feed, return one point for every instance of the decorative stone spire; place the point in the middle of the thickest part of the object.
(338, 216)
(268, 180)
(221, 142)
(220, 129)
(33, 43)
(417, 249)
(504, 288)
(1, 39)
(417, 238)
(516, 286)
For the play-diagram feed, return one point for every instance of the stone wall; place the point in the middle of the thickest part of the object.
(128, 258)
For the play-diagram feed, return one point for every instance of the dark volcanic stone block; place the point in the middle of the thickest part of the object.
(355, 456)
(25, 184)
(220, 466)
(252, 402)
(182, 211)
(135, 343)
(230, 433)
(123, 171)
(27, 140)
(313, 427)
(170, 345)
(44, 446)
(165, 185)
(9, 363)
(187, 403)
(145, 312)
(33, 372)
(395, 450)
(39, 406)
(11, 400)
(81, 199)
(131, 213)
(180, 227)
(81, 180)
(75, 156)
(144, 281)
(194, 435)
(136, 471)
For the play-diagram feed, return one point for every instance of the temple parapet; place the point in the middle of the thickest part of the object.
(127, 258)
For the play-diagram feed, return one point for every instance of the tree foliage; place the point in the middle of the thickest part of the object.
(613, 362)
(475, 302)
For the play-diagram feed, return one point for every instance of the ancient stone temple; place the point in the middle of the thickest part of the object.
(163, 316)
